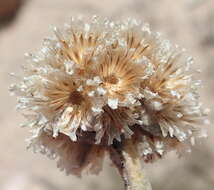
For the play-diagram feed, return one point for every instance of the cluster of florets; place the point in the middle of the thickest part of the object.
(97, 81)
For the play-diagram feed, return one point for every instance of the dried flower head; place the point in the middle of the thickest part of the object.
(96, 82)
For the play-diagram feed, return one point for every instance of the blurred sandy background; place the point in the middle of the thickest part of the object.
(190, 23)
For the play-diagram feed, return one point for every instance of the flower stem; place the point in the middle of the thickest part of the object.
(129, 164)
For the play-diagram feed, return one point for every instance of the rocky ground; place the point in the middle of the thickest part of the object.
(189, 23)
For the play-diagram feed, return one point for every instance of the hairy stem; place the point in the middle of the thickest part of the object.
(129, 164)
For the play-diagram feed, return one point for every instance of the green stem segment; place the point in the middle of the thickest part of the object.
(129, 164)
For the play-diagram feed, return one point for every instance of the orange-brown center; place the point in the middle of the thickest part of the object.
(76, 98)
(111, 79)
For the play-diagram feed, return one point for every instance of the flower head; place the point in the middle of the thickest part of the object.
(96, 82)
